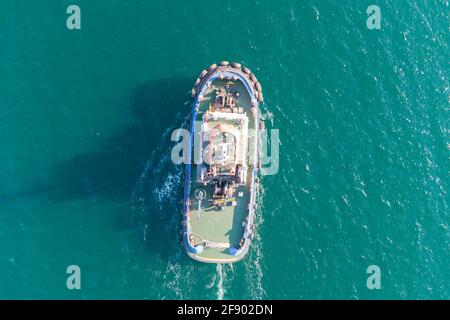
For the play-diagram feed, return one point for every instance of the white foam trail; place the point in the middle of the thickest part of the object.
(167, 191)
(232, 271)
(172, 275)
(159, 159)
(158, 189)
(213, 281)
(149, 167)
(254, 273)
(145, 232)
(221, 278)
(220, 287)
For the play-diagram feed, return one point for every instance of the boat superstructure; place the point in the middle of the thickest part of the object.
(221, 175)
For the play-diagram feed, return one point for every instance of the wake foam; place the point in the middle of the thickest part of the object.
(156, 206)
(254, 271)
(221, 279)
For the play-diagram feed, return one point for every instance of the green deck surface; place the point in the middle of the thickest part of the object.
(217, 225)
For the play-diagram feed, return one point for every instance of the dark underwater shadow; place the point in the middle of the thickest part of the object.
(115, 167)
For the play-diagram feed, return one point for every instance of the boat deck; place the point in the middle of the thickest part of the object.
(219, 229)
(219, 226)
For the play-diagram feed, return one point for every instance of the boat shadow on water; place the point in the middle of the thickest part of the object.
(132, 167)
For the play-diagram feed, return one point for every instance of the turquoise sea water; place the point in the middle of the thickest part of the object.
(86, 177)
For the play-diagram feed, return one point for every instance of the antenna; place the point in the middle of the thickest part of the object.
(200, 194)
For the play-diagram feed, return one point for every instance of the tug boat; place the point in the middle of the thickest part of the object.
(221, 173)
